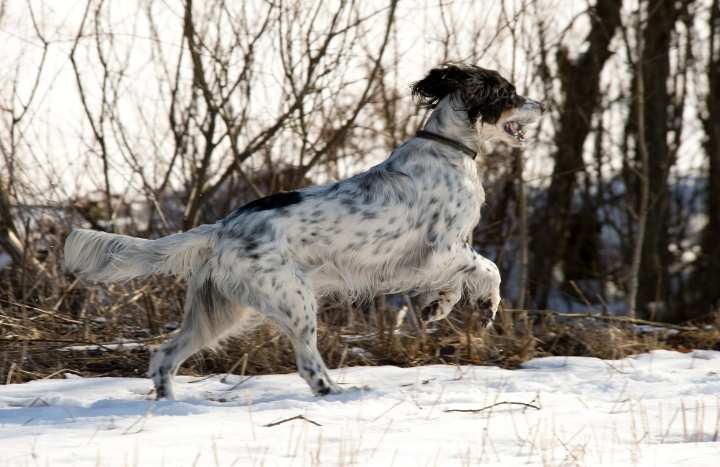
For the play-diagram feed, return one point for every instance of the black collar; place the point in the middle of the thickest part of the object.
(447, 141)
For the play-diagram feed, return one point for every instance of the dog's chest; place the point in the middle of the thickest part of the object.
(450, 202)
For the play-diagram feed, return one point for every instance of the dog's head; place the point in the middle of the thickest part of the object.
(493, 107)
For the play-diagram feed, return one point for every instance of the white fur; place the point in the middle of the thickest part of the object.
(401, 226)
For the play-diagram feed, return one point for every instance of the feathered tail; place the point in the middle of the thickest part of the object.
(105, 257)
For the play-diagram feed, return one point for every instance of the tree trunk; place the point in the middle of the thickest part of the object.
(708, 268)
(580, 80)
(654, 282)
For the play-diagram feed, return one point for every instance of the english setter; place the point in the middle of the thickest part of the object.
(401, 226)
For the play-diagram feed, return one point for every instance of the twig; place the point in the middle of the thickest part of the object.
(83, 342)
(40, 310)
(621, 319)
(143, 418)
(524, 404)
(296, 417)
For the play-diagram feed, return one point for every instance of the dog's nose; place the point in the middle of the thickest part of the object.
(540, 106)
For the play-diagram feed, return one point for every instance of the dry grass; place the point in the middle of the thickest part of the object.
(45, 313)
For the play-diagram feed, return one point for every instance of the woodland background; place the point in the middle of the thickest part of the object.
(151, 117)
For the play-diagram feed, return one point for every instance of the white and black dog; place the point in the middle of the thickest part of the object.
(401, 226)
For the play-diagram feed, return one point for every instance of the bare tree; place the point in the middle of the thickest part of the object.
(654, 280)
(14, 108)
(580, 80)
(643, 172)
(708, 265)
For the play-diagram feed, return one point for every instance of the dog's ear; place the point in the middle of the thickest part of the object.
(438, 83)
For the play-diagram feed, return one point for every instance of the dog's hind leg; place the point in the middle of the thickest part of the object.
(291, 304)
(208, 318)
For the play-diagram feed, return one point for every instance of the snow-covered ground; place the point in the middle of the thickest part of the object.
(658, 409)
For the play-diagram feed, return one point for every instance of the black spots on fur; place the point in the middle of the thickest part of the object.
(114, 247)
(333, 189)
(169, 348)
(368, 215)
(415, 256)
(164, 370)
(430, 311)
(271, 202)
(209, 295)
(432, 233)
(350, 205)
(258, 229)
(484, 303)
(418, 170)
(323, 388)
(482, 93)
(250, 245)
(450, 183)
(161, 391)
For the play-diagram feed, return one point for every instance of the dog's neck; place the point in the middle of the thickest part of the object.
(452, 123)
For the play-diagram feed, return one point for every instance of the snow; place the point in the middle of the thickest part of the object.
(661, 408)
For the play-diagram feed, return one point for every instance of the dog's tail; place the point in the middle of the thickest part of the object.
(105, 257)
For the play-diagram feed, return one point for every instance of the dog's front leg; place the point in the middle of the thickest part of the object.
(438, 304)
(482, 283)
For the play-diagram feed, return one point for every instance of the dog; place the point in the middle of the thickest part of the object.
(401, 226)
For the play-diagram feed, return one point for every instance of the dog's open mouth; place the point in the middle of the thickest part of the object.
(515, 129)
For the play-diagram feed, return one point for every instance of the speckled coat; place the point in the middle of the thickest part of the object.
(401, 226)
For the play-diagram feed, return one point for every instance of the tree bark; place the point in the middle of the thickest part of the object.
(654, 280)
(708, 267)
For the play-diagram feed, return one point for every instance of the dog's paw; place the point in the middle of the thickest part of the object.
(350, 392)
(487, 307)
(431, 312)
(321, 387)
